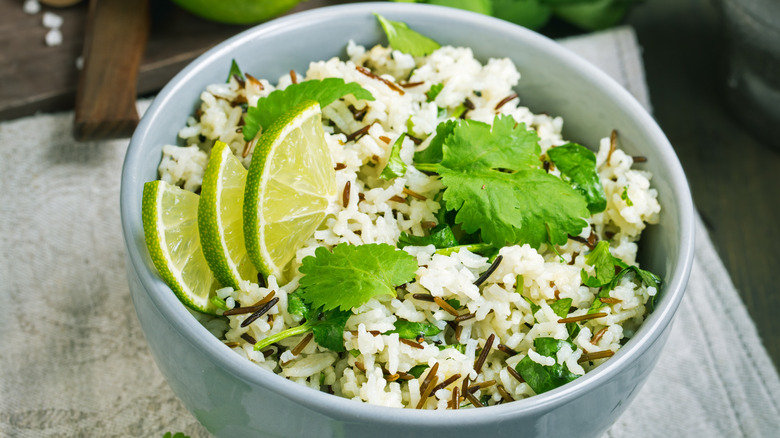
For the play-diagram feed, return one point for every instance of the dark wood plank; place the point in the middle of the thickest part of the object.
(117, 31)
(731, 172)
(34, 77)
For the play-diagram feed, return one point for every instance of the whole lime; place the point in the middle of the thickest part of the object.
(237, 11)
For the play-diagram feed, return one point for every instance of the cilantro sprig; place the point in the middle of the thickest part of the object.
(609, 271)
(406, 40)
(336, 282)
(395, 165)
(542, 378)
(493, 179)
(578, 165)
(273, 106)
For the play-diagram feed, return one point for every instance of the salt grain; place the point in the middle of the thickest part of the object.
(53, 37)
(31, 7)
(51, 20)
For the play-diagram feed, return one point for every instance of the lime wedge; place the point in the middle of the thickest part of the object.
(290, 184)
(221, 219)
(171, 231)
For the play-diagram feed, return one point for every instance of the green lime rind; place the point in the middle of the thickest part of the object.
(221, 219)
(288, 188)
(169, 217)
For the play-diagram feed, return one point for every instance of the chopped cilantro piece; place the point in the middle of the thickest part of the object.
(578, 164)
(351, 275)
(395, 165)
(354, 353)
(175, 435)
(543, 378)
(561, 307)
(460, 347)
(406, 40)
(234, 71)
(606, 265)
(624, 196)
(479, 248)
(440, 236)
(432, 92)
(433, 153)
(454, 303)
(219, 303)
(534, 307)
(411, 330)
(417, 370)
(271, 107)
(327, 326)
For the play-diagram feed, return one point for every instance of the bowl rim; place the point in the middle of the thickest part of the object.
(338, 407)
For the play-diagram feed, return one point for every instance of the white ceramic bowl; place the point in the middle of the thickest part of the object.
(233, 397)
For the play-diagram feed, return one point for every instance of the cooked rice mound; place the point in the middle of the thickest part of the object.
(376, 366)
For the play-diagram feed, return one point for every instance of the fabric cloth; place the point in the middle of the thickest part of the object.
(74, 362)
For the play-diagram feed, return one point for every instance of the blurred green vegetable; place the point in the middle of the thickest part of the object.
(533, 14)
(237, 11)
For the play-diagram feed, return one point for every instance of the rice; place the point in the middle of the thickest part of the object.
(372, 210)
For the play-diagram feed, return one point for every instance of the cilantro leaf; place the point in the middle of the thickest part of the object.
(493, 179)
(529, 206)
(561, 307)
(603, 263)
(543, 378)
(395, 165)
(234, 71)
(328, 329)
(606, 265)
(271, 107)
(433, 153)
(411, 330)
(417, 370)
(351, 275)
(175, 435)
(505, 145)
(578, 164)
(534, 307)
(327, 326)
(624, 196)
(406, 40)
(295, 304)
(432, 92)
(440, 236)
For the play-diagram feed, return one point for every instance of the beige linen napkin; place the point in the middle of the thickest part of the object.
(73, 360)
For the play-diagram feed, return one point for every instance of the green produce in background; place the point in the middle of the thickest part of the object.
(533, 14)
(238, 11)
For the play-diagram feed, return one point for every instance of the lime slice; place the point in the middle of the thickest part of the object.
(221, 219)
(290, 184)
(171, 231)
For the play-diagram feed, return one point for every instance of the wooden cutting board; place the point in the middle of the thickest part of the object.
(37, 78)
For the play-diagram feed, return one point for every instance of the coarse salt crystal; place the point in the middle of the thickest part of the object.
(51, 20)
(31, 7)
(54, 37)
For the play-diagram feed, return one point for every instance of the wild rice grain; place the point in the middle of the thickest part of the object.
(455, 401)
(504, 394)
(465, 317)
(411, 343)
(484, 354)
(251, 309)
(476, 403)
(301, 345)
(359, 133)
(587, 357)
(485, 275)
(505, 100)
(446, 383)
(423, 297)
(247, 337)
(612, 146)
(393, 86)
(581, 318)
(598, 336)
(293, 77)
(262, 311)
(345, 194)
(446, 306)
(515, 374)
(414, 194)
(339, 166)
(506, 349)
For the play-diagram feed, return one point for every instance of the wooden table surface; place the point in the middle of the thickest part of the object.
(731, 173)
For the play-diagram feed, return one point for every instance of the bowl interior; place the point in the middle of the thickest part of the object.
(552, 80)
